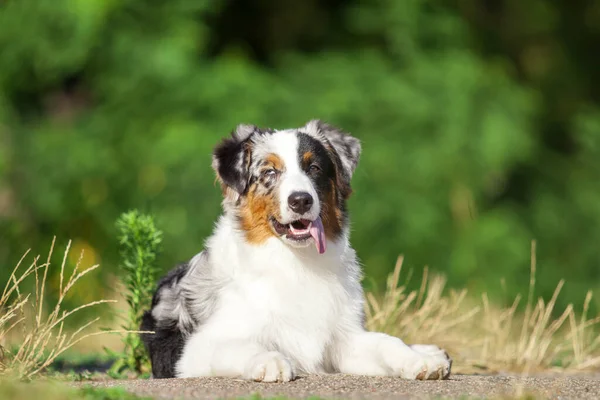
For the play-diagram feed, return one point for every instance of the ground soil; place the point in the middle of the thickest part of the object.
(546, 386)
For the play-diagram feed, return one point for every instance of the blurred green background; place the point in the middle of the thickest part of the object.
(480, 123)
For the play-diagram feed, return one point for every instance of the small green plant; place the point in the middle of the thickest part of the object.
(140, 243)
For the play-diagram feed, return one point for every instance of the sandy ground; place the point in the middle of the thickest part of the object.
(359, 387)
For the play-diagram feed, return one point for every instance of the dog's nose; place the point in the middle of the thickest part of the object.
(300, 202)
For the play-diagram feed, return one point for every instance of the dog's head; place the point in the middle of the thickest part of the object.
(291, 184)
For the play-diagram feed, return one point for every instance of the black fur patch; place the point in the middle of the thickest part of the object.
(347, 153)
(320, 157)
(166, 344)
(232, 162)
(326, 161)
(232, 157)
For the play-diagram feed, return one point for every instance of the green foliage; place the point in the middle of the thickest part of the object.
(113, 393)
(478, 135)
(55, 390)
(140, 242)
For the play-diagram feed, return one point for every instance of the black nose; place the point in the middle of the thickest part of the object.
(300, 202)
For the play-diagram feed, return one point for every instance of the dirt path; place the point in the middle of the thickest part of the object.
(358, 387)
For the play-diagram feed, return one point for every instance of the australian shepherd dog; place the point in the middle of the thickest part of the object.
(276, 291)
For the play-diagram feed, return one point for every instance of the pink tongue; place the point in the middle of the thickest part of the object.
(318, 233)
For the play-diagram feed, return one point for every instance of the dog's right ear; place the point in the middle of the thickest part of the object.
(231, 159)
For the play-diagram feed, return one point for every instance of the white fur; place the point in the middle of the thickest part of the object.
(283, 311)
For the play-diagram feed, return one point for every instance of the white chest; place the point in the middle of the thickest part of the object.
(296, 314)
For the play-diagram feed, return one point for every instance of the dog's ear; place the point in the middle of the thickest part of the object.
(231, 158)
(347, 149)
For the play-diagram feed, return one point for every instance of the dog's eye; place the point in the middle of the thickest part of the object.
(314, 168)
(269, 173)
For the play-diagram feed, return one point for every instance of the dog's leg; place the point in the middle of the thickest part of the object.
(234, 358)
(371, 353)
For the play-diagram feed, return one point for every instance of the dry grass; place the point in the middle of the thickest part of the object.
(43, 337)
(481, 336)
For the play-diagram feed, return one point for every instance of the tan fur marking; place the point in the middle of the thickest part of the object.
(307, 157)
(255, 213)
(331, 214)
(275, 161)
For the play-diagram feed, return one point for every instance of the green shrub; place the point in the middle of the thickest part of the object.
(479, 136)
(140, 243)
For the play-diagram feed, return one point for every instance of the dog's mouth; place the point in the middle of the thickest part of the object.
(302, 230)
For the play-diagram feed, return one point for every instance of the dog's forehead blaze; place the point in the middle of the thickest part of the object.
(255, 213)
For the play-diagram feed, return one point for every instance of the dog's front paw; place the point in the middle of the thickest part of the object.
(270, 366)
(431, 363)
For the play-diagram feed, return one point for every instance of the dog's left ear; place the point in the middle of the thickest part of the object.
(347, 148)
(231, 158)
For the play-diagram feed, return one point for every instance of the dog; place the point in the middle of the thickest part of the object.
(276, 292)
